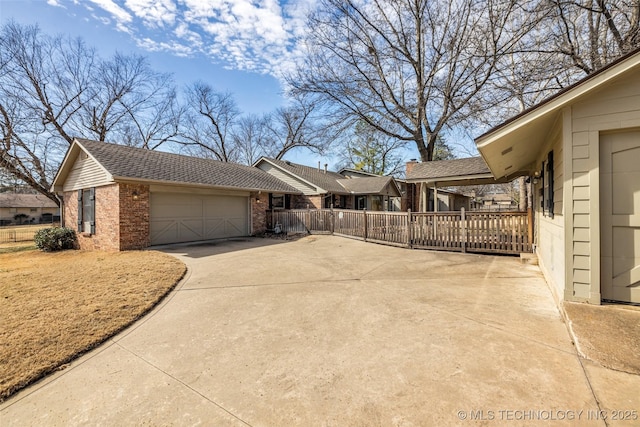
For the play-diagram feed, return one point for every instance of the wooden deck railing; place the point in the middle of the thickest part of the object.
(486, 232)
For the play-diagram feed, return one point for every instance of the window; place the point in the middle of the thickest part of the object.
(341, 202)
(361, 202)
(86, 211)
(277, 201)
(547, 186)
(33, 209)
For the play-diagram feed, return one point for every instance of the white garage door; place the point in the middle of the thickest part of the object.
(178, 217)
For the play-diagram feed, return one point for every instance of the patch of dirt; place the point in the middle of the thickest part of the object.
(56, 306)
(607, 334)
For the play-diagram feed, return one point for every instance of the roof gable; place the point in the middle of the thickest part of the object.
(371, 185)
(325, 181)
(124, 163)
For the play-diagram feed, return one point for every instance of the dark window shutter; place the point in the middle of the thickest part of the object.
(92, 197)
(287, 201)
(550, 186)
(79, 210)
(270, 200)
(542, 189)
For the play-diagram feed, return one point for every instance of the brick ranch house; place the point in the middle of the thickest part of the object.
(121, 198)
(321, 188)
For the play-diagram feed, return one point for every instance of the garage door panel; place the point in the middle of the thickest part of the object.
(177, 217)
(215, 227)
(236, 225)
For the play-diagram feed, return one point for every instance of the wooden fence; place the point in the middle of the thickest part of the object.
(486, 232)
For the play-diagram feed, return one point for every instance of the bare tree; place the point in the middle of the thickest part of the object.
(53, 89)
(299, 124)
(591, 33)
(128, 94)
(410, 69)
(251, 137)
(209, 123)
(159, 125)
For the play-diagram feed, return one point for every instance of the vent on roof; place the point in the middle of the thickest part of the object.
(507, 151)
(288, 162)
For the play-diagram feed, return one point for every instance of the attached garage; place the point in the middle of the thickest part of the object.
(139, 197)
(179, 217)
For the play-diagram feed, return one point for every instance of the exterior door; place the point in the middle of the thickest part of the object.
(620, 216)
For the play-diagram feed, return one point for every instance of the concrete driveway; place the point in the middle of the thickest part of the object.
(329, 331)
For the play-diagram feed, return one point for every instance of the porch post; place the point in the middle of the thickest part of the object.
(435, 197)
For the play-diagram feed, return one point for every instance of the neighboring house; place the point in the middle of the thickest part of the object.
(320, 188)
(120, 197)
(582, 148)
(425, 181)
(495, 202)
(36, 208)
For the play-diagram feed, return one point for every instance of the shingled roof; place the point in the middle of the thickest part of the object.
(366, 185)
(448, 168)
(130, 163)
(17, 200)
(333, 182)
(326, 180)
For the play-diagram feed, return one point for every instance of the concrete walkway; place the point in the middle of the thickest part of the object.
(329, 331)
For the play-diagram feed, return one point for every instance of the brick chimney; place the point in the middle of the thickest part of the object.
(410, 164)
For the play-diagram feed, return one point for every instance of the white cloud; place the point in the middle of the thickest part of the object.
(120, 15)
(54, 3)
(153, 12)
(256, 35)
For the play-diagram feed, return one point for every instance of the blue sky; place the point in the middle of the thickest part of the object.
(239, 46)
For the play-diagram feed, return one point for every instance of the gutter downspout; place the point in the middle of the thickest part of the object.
(61, 209)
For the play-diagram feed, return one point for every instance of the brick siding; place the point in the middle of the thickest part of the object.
(304, 202)
(122, 221)
(134, 216)
(259, 206)
(107, 235)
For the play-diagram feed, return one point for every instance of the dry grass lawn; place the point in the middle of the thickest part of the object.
(56, 306)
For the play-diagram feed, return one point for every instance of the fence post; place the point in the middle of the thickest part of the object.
(409, 230)
(307, 220)
(530, 229)
(332, 225)
(364, 212)
(463, 226)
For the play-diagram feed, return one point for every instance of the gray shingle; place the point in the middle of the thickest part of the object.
(327, 181)
(334, 182)
(141, 164)
(366, 185)
(449, 168)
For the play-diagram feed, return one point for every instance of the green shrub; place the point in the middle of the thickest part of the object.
(55, 239)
